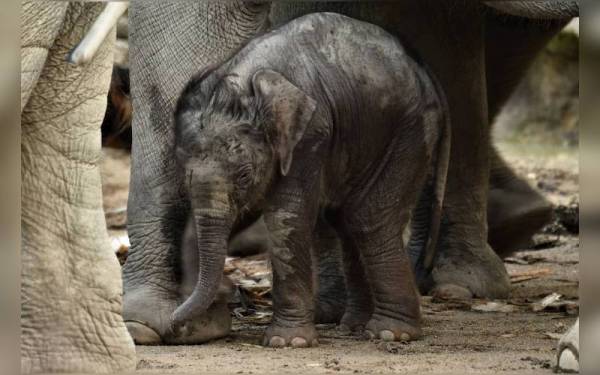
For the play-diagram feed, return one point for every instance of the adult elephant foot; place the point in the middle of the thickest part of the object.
(147, 316)
(514, 217)
(516, 211)
(463, 272)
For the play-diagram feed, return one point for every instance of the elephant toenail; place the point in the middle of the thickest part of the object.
(386, 335)
(299, 342)
(277, 342)
(567, 361)
(314, 342)
(369, 335)
(405, 337)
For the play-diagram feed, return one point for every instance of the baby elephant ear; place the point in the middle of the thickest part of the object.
(291, 111)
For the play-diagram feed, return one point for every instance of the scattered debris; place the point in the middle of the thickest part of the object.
(391, 347)
(493, 306)
(517, 277)
(553, 336)
(252, 316)
(569, 307)
(515, 260)
(549, 238)
(251, 275)
(333, 364)
(542, 363)
(545, 302)
(525, 259)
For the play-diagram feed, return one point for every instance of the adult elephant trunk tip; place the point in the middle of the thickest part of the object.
(213, 228)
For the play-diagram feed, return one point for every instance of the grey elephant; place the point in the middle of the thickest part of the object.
(478, 50)
(325, 115)
(70, 278)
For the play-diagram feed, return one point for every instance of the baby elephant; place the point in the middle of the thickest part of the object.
(329, 117)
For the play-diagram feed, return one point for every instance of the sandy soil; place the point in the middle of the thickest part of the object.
(459, 337)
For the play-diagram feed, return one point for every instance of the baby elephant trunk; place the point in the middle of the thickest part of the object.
(213, 227)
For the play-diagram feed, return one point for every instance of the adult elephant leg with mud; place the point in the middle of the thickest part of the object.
(454, 40)
(169, 43)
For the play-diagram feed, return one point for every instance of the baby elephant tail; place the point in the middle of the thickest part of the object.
(439, 188)
(427, 215)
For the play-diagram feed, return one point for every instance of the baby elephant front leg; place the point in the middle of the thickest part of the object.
(293, 300)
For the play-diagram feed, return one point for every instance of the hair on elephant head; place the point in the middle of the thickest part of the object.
(231, 143)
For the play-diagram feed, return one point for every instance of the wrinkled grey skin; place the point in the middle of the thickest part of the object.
(324, 116)
(70, 278)
(479, 56)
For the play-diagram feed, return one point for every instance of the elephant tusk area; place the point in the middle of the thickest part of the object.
(86, 49)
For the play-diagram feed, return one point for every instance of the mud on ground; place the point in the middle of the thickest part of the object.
(477, 337)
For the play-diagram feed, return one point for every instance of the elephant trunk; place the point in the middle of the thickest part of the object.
(213, 227)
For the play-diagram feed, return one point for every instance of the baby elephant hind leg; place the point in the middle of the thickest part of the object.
(378, 238)
(359, 301)
(330, 298)
(372, 225)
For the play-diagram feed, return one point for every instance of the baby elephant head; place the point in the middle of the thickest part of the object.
(231, 146)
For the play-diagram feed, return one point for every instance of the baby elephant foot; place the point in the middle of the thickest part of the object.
(389, 329)
(298, 337)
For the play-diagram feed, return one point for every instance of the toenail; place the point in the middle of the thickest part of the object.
(277, 342)
(314, 342)
(567, 361)
(369, 335)
(386, 335)
(299, 342)
(405, 336)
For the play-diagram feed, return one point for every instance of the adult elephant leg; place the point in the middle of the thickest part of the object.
(516, 211)
(70, 278)
(466, 265)
(170, 41)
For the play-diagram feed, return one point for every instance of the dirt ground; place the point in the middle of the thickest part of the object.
(475, 337)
